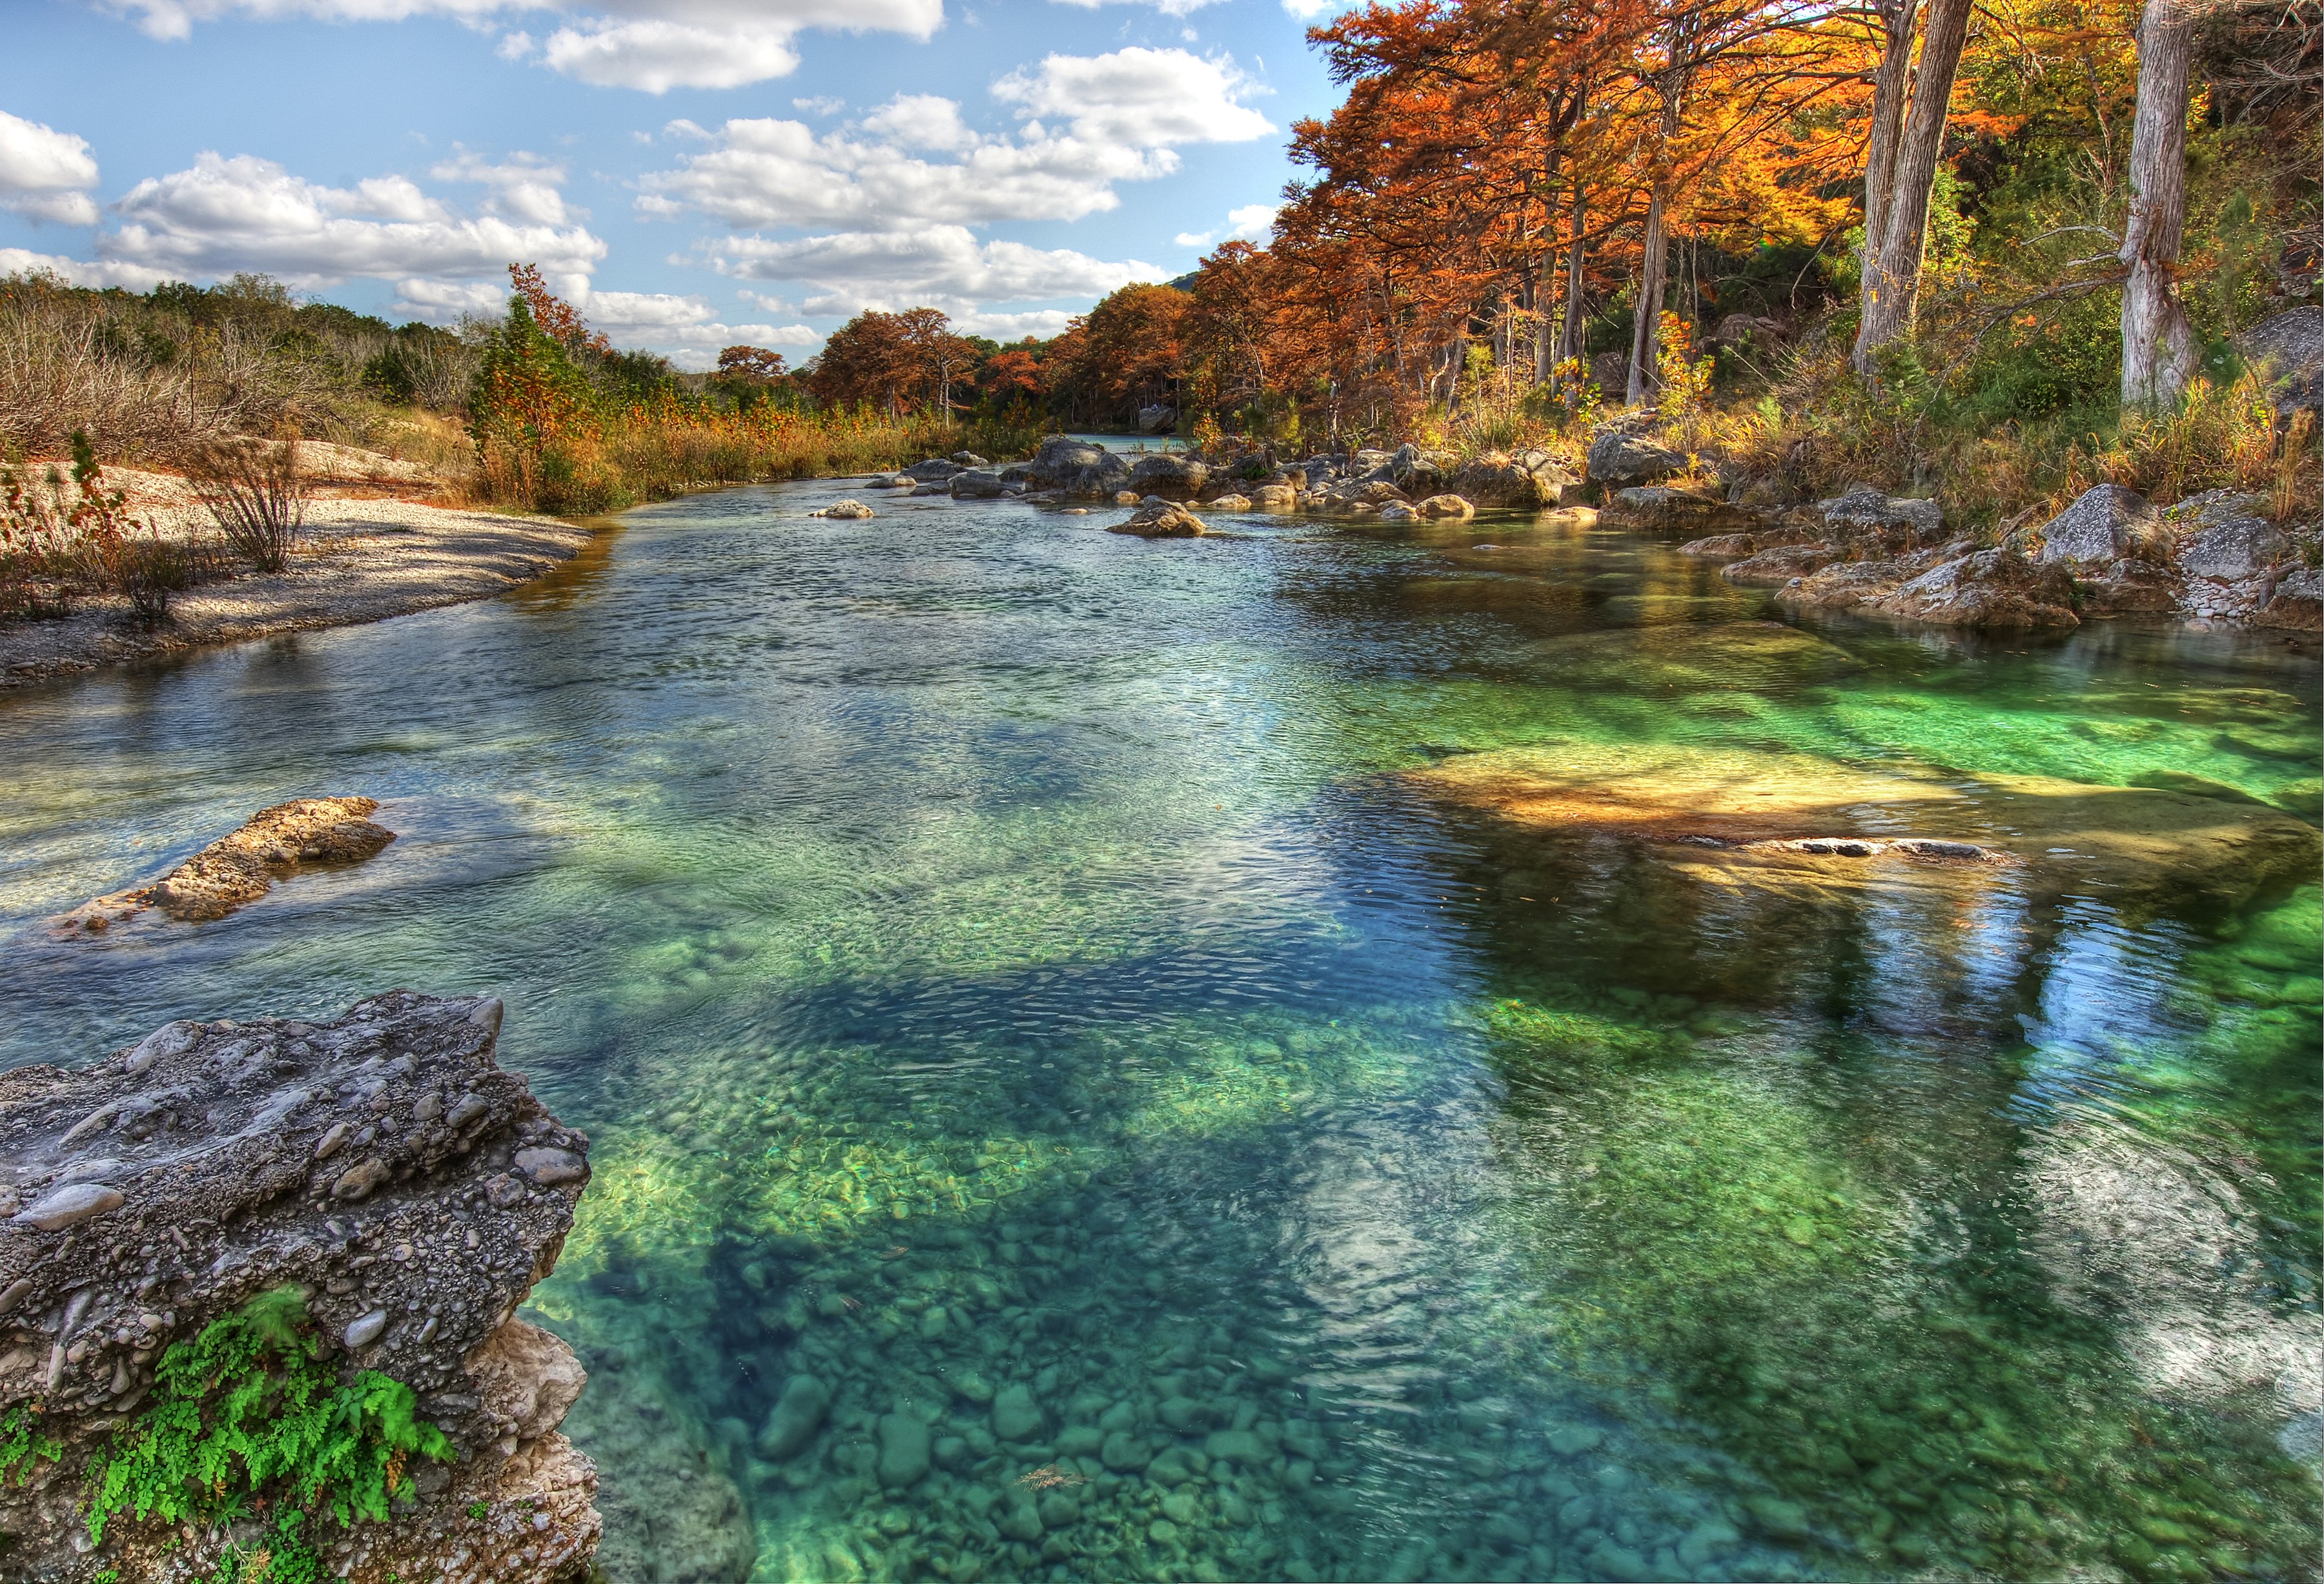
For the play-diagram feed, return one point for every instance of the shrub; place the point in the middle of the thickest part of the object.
(255, 491)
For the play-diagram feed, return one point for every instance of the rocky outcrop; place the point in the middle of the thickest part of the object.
(968, 459)
(1866, 522)
(977, 483)
(382, 1164)
(2289, 347)
(1750, 541)
(1161, 520)
(1618, 459)
(935, 470)
(1158, 420)
(242, 866)
(1664, 507)
(1078, 469)
(1777, 564)
(1531, 481)
(848, 508)
(1953, 585)
(1170, 474)
(2101, 527)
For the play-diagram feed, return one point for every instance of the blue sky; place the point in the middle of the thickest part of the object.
(693, 172)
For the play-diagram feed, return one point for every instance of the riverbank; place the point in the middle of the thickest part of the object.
(373, 552)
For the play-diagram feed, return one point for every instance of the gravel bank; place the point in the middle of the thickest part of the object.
(369, 559)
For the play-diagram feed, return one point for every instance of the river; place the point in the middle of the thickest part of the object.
(1018, 978)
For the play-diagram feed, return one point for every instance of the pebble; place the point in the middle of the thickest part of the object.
(794, 1418)
(69, 1206)
(1572, 1440)
(904, 1449)
(1016, 1414)
(365, 1330)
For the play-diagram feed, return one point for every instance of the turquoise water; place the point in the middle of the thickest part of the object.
(1021, 981)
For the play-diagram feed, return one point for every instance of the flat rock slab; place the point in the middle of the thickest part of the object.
(1729, 812)
(239, 868)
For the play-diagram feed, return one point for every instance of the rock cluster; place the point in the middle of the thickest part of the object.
(383, 1163)
(242, 866)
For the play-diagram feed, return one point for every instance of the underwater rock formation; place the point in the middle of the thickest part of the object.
(383, 1167)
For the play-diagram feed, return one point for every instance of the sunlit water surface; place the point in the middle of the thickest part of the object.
(1008, 983)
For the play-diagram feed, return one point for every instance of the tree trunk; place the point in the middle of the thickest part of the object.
(1545, 294)
(1569, 335)
(1892, 280)
(2158, 346)
(1890, 87)
(1652, 271)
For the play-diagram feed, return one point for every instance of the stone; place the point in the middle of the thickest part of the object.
(1171, 474)
(1161, 520)
(359, 1181)
(69, 1206)
(1077, 468)
(968, 459)
(1398, 511)
(1022, 1521)
(904, 1450)
(1272, 497)
(797, 1415)
(1181, 1414)
(1866, 522)
(1059, 1511)
(2096, 529)
(1159, 418)
(1162, 1532)
(935, 470)
(1664, 507)
(1997, 588)
(1453, 506)
(242, 866)
(1016, 1413)
(230, 1199)
(1124, 1453)
(1616, 459)
(1571, 1440)
(1782, 1519)
(849, 508)
(2233, 550)
(1529, 480)
(1706, 1541)
(1236, 1446)
(549, 1167)
(1778, 563)
(977, 484)
(1230, 503)
(2289, 348)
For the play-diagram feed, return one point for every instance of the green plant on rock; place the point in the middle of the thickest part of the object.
(22, 1445)
(249, 1411)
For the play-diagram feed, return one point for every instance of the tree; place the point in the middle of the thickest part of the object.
(898, 363)
(752, 365)
(1892, 277)
(2158, 344)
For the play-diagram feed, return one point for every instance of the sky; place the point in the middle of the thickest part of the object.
(692, 173)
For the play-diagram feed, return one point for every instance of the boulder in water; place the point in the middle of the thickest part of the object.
(242, 866)
(849, 508)
(1616, 459)
(1161, 520)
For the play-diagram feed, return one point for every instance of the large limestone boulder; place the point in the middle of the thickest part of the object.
(1446, 506)
(1616, 459)
(380, 1162)
(848, 508)
(1157, 419)
(935, 469)
(977, 483)
(1161, 520)
(2290, 346)
(1416, 472)
(1171, 474)
(1077, 468)
(243, 865)
(1664, 507)
(2097, 529)
(1997, 588)
(1275, 497)
(1777, 565)
(1532, 480)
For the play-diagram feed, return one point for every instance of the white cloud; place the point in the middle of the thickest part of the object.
(820, 104)
(1167, 7)
(664, 322)
(1145, 98)
(1309, 10)
(920, 120)
(1040, 322)
(1252, 223)
(767, 173)
(18, 261)
(654, 45)
(44, 173)
(523, 185)
(245, 213)
(935, 266)
(445, 303)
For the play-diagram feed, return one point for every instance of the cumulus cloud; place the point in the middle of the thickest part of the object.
(1039, 323)
(244, 213)
(1167, 7)
(44, 173)
(18, 261)
(1309, 10)
(920, 120)
(653, 45)
(1146, 98)
(935, 266)
(523, 185)
(686, 329)
(1252, 223)
(767, 173)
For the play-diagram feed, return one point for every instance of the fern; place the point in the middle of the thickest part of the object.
(22, 1442)
(248, 1407)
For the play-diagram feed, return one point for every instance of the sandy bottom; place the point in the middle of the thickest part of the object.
(367, 559)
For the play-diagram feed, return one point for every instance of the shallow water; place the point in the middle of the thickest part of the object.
(1009, 979)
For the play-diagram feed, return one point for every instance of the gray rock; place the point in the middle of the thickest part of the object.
(1124, 1453)
(1077, 468)
(551, 1166)
(1016, 1413)
(968, 459)
(1169, 474)
(1571, 1440)
(1157, 419)
(2096, 530)
(2290, 346)
(1161, 520)
(1531, 481)
(904, 1450)
(935, 470)
(849, 508)
(1022, 1521)
(232, 1202)
(977, 484)
(794, 1418)
(1866, 520)
(2237, 549)
(1616, 459)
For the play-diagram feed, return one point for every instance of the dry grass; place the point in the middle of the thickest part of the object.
(257, 494)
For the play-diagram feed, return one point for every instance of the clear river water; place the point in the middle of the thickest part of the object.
(1071, 1100)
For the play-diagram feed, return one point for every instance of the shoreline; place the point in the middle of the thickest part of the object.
(371, 560)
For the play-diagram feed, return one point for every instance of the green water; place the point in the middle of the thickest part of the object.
(1012, 981)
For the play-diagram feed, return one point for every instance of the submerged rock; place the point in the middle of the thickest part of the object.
(242, 866)
(796, 1417)
(216, 1189)
(1663, 506)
